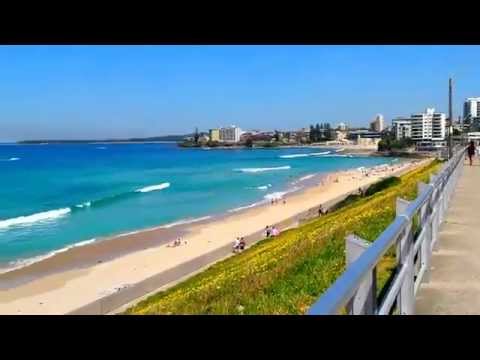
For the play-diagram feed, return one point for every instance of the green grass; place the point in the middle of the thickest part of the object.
(286, 274)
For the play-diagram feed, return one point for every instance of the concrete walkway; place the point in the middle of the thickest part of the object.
(454, 286)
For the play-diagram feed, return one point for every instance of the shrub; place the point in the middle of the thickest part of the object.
(382, 185)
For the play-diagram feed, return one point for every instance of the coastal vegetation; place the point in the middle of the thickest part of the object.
(320, 132)
(389, 143)
(287, 273)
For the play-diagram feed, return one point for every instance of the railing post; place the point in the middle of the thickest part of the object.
(426, 223)
(435, 203)
(365, 299)
(406, 299)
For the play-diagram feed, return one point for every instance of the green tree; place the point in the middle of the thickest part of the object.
(196, 136)
(276, 136)
(317, 132)
(312, 133)
(249, 142)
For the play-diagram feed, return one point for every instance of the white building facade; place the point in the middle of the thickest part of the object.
(428, 129)
(402, 128)
(378, 124)
(230, 134)
(471, 112)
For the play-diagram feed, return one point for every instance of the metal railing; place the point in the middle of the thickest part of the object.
(413, 234)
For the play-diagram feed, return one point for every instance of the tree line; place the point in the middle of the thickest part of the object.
(320, 132)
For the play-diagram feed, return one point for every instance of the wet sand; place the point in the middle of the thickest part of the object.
(81, 275)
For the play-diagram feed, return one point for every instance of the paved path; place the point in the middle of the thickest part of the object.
(454, 286)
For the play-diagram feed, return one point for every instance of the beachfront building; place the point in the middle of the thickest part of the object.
(427, 129)
(428, 126)
(402, 128)
(230, 134)
(214, 135)
(342, 127)
(378, 124)
(471, 113)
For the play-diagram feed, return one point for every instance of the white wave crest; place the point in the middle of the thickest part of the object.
(14, 159)
(85, 204)
(293, 156)
(183, 222)
(306, 177)
(338, 155)
(243, 208)
(153, 188)
(264, 187)
(18, 264)
(255, 170)
(320, 153)
(34, 218)
(276, 195)
(100, 147)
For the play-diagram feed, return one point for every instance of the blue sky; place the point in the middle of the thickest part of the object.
(77, 92)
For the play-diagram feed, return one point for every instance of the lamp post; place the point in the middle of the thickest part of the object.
(450, 119)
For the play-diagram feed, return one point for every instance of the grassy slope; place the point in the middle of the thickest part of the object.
(286, 274)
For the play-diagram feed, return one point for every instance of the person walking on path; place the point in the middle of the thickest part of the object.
(471, 151)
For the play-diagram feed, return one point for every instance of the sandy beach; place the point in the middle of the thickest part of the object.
(81, 275)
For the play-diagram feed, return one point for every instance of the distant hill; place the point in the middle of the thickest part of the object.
(173, 138)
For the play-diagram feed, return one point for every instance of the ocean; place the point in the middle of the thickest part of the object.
(56, 196)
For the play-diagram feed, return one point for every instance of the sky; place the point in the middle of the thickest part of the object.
(95, 92)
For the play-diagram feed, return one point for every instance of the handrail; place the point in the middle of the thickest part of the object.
(350, 283)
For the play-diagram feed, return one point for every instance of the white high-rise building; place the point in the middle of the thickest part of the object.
(378, 124)
(342, 126)
(428, 126)
(230, 134)
(471, 111)
(422, 127)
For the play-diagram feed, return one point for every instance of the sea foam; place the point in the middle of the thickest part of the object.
(240, 208)
(153, 188)
(255, 170)
(306, 177)
(264, 187)
(18, 264)
(85, 204)
(275, 196)
(183, 222)
(34, 218)
(293, 156)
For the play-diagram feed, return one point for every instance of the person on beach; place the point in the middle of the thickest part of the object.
(275, 231)
(320, 211)
(176, 242)
(471, 152)
(236, 245)
(242, 244)
(267, 231)
(284, 202)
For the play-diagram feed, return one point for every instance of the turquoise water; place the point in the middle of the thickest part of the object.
(54, 196)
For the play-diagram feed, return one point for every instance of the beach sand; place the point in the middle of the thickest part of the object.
(79, 276)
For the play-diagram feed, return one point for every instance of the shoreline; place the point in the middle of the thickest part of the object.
(48, 278)
(134, 240)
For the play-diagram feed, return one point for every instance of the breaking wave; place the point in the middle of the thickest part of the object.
(18, 264)
(255, 170)
(34, 218)
(153, 188)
